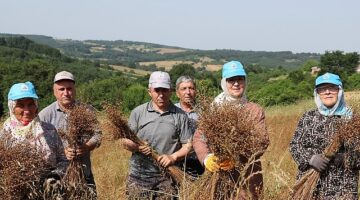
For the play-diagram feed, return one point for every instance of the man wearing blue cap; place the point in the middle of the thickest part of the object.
(233, 84)
(338, 175)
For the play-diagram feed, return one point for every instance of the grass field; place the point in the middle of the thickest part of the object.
(124, 69)
(110, 161)
(168, 64)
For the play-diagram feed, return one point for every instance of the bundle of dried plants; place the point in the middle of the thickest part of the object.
(22, 170)
(82, 124)
(230, 134)
(304, 188)
(117, 125)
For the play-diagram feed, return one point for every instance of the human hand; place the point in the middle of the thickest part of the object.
(145, 149)
(70, 153)
(211, 164)
(166, 160)
(319, 162)
(81, 150)
(227, 165)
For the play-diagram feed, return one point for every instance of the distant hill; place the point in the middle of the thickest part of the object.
(143, 55)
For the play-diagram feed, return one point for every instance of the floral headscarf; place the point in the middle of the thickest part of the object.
(20, 132)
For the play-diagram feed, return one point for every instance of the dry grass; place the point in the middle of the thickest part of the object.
(128, 70)
(82, 125)
(169, 50)
(110, 161)
(167, 65)
(20, 177)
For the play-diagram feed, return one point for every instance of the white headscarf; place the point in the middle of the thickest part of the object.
(20, 132)
(226, 97)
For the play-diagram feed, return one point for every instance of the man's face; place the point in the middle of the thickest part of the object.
(186, 92)
(160, 97)
(65, 92)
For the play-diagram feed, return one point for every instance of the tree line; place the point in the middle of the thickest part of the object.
(23, 60)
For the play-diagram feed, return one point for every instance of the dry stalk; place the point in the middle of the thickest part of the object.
(230, 134)
(22, 170)
(117, 125)
(304, 188)
(82, 124)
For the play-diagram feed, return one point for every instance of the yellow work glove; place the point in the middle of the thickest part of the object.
(211, 164)
(227, 165)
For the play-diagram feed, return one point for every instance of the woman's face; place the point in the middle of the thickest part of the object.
(25, 110)
(328, 94)
(236, 86)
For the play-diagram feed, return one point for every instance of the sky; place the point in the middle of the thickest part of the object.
(313, 26)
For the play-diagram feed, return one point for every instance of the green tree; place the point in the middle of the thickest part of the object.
(181, 70)
(339, 63)
(134, 96)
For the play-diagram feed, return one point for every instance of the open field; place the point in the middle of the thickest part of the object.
(110, 160)
(167, 65)
(128, 70)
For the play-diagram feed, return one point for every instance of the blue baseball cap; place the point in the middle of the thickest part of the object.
(22, 90)
(328, 78)
(233, 68)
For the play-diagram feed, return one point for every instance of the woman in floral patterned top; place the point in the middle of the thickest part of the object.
(314, 133)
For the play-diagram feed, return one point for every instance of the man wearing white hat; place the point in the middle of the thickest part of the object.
(165, 128)
(57, 113)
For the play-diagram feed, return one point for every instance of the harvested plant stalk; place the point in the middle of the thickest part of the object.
(230, 134)
(305, 186)
(21, 170)
(82, 124)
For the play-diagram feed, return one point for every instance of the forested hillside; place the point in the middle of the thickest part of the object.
(130, 53)
(22, 59)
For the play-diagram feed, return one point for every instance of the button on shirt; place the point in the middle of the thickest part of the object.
(164, 132)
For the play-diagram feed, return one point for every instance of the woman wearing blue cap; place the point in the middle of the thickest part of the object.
(233, 84)
(24, 126)
(314, 133)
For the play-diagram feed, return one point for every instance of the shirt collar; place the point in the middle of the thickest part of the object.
(171, 108)
(58, 108)
(179, 105)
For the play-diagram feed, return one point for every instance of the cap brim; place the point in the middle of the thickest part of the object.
(160, 85)
(63, 78)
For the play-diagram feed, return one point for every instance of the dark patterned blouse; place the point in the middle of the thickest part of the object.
(313, 134)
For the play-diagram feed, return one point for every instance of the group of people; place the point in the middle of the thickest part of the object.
(171, 130)
(40, 129)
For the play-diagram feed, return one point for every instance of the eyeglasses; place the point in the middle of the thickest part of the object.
(328, 89)
(236, 79)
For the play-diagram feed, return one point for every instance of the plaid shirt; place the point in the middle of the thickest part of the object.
(313, 134)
